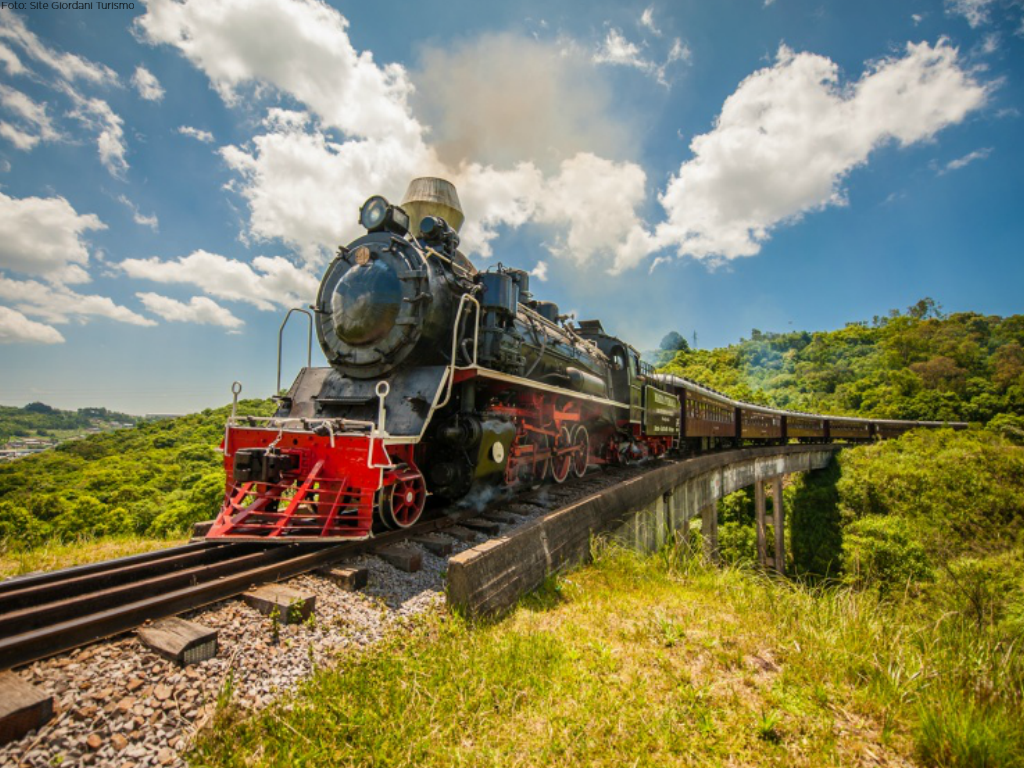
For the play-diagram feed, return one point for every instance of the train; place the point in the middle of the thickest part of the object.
(442, 379)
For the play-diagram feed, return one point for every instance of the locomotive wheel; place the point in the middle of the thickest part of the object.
(562, 463)
(401, 503)
(580, 439)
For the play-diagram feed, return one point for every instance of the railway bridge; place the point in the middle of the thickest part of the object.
(643, 512)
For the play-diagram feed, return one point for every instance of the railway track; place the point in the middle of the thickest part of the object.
(45, 614)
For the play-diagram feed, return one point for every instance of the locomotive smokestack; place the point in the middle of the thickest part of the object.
(430, 196)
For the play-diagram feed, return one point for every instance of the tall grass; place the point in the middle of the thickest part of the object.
(659, 660)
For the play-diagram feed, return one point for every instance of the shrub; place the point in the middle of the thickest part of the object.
(881, 552)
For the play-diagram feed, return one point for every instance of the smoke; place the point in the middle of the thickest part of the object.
(481, 496)
(500, 98)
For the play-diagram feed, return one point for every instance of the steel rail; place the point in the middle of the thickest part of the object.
(119, 595)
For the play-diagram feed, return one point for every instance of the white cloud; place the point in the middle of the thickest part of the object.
(597, 199)
(199, 135)
(45, 237)
(589, 204)
(16, 328)
(540, 271)
(11, 61)
(782, 146)
(300, 183)
(96, 115)
(617, 50)
(143, 221)
(990, 44)
(306, 189)
(199, 310)
(975, 11)
(647, 20)
(147, 85)
(19, 138)
(917, 18)
(790, 134)
(35, 124)
(267, 283)
(69, 66)
(59, 304)
(303, 186)
(311, 58)
(970, 157)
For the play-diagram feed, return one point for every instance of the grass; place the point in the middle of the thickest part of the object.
(654, 661)
(54, 555)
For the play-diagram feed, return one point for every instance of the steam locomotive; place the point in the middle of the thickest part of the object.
(443, 378)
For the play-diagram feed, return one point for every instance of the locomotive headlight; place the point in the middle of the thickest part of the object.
(373, 212)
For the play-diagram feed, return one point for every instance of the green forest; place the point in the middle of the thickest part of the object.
(155, 479)
(41, 420)
(920, 365)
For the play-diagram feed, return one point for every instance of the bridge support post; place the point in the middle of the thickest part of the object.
(709, 529)
(760, 524)
(779, 525)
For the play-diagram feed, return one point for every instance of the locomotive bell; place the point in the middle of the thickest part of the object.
(430, 196)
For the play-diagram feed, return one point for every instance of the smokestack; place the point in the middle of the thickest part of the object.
(430, 196)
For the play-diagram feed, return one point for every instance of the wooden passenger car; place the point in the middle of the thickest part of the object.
(886, 428)
(759, 423)
(849, 429)
(804, 426)
(707, 415)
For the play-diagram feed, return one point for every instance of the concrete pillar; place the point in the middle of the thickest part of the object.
(759, 523)
(709, 527)
(779, 524)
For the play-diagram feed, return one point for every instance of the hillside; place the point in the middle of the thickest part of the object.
(154, 479)
(920, 364)
(41, 420)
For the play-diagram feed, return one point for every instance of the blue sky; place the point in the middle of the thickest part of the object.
(174, 177)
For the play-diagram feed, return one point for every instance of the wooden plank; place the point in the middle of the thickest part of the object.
(346, 577)
(23, 707)
(499, 517)
(178, 640)
(292, 605)
(435, 544)
(403, 558)
(483, 526)
(462, 534)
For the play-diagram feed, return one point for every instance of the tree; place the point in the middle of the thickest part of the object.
(674, 342)
(925, 308)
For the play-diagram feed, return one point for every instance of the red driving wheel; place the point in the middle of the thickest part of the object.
(402, 502)
(581, 441)
(561, 461)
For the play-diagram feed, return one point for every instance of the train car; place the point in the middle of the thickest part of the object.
(886, 429)
(849, 429)
(708, 418)
(755, 422)
(804, 427)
